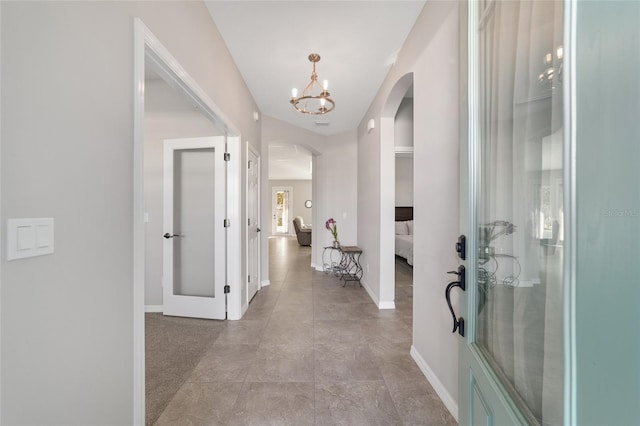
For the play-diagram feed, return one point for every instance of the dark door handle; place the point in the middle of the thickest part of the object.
(168, 235)
(258, 230)
(458, 322)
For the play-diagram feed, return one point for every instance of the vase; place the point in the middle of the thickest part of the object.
(336, 244)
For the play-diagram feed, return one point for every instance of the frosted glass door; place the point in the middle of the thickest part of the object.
(193, 212)
(194, 247)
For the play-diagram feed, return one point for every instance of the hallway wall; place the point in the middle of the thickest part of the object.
(431, 54)
(67, 138)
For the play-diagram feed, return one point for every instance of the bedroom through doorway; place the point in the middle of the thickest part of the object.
(403, 146)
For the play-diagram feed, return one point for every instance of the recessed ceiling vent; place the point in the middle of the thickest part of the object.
(322, 123)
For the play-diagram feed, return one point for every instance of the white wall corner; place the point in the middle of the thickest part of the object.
(153, 308)
(437, 385)
(372, 295)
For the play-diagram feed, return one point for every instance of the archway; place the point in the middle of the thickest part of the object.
(388, 190)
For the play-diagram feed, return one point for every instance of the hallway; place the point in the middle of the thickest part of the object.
(308, 351)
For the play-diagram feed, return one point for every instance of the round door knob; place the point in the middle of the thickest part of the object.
(168, 235)
(258, 230)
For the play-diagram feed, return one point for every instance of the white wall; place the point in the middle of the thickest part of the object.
(160, 125)
(404, 181)
(403, 129)
(337, 192)
(431, 54)
(302, 191)
(403, 137)
(67, 138)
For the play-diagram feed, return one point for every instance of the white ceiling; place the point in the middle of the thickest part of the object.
(357, 40)
(289, 162)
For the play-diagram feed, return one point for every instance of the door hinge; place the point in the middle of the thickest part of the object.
(248, 278)
(249, 164)
(227, 289)
(227, 223)
(248, 222)
(227, 156)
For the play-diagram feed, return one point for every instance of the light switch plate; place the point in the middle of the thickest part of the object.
(29, 237)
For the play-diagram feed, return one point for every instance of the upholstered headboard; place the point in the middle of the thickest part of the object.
(404, 213)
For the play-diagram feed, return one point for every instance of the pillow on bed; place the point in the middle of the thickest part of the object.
(410, 227)
(401, 228)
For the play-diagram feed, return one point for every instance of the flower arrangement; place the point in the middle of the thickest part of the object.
(332, 226)
(489, 233)
(493, 230)
(489, 261)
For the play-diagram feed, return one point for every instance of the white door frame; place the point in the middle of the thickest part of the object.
(289, 209)
(148, 48)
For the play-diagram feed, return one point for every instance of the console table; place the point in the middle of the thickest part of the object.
(343, 261)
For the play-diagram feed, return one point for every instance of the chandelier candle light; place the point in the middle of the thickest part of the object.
(322, 98)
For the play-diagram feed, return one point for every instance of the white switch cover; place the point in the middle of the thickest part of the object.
(29, 237)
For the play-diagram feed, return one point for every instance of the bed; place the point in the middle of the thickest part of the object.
(404, 233)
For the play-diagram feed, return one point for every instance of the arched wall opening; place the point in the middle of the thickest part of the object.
(388, 190)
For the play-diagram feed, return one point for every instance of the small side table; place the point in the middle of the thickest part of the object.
(350, 264)
(332, 260)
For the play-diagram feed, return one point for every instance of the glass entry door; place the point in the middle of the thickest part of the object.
(194, 239)
(281, 210)
(511, 359)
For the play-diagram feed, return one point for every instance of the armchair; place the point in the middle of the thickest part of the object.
(302, 232)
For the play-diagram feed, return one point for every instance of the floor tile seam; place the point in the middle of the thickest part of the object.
(313, 346)
(186, 378)
(393, 400)
(279, 292)
(259, 343)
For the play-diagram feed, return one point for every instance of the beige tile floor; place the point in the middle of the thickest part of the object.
(309, 352)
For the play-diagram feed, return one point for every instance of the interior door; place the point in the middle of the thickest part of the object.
(195, 237)
(511, 352)
(253, 223)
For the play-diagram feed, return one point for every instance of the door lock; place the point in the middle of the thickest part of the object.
(461, 247)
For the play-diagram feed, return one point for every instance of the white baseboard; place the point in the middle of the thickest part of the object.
(153, 308)
(437, 385)
(379, 304)
(386, 305)
(265, 283)
(370, 292)
(319, 268)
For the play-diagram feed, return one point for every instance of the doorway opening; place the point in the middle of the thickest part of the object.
(160, 80)
(396, 123)
(281, 202)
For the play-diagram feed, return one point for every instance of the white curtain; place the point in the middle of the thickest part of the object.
(520, 212)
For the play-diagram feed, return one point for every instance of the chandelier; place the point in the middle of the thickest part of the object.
(309, 103)
(551, 76)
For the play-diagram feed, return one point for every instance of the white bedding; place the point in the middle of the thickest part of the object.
(404, 247)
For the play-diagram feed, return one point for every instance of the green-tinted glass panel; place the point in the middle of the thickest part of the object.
(520, 211)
